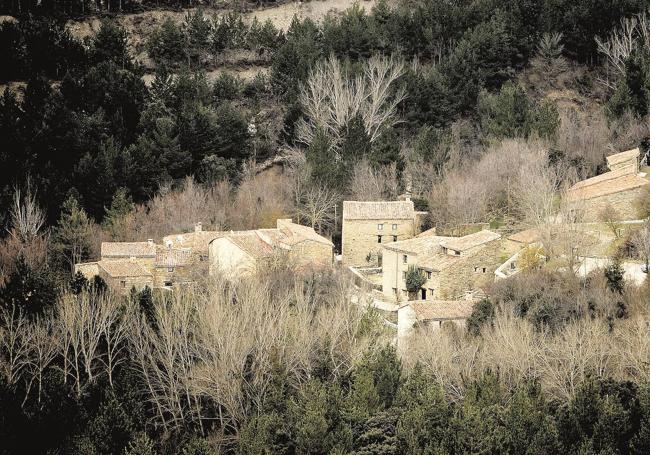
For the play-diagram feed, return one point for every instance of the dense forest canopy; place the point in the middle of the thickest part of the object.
(478, 108)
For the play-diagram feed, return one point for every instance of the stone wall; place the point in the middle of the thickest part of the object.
(446, 284)
(359, 238)
(123, 285)
(311, 252)
(227, 258)
(624, 202)
(87, 269)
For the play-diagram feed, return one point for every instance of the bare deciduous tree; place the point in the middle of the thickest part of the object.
(370, 184)
(316, 206)
(27, 218)
(331, 98)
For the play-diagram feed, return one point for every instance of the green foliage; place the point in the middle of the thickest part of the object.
(415, 278)
(510, 113)
(614, 275)
(28, 290)
(116, 215)
(73, 236)
(111, 44)
(167, 44)
(482, 314)
(141, 445)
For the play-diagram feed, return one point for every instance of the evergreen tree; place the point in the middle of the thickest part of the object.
(73, 236)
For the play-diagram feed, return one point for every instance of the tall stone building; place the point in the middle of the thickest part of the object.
(368, 226)
(613, 193)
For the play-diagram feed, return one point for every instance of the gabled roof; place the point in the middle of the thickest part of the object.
(417, 245)
(123, 269)
(296, 233)
(128, 249)
(439, 262)
(526, 236)
(622, 157)
(442, 310)
(197, 241)
(251, 242)
(174, 257)
(378, 210)
(470, 241)
(592, 188)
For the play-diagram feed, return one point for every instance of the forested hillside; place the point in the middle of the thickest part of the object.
(128, 121)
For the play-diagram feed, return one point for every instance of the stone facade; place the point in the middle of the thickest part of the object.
(618, 189)
(448, 275)
(240, 253)
(367, 226)
(623, 202)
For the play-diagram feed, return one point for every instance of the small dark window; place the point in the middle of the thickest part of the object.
(394, 238)
(379, 239)
(168, 284)
(429, 275)
(457, 253)
(123, 283)
(404, 275)
(405, 259)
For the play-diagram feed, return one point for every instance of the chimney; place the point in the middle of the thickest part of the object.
(198, 227)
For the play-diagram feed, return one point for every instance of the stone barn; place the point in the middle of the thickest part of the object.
(613, 193)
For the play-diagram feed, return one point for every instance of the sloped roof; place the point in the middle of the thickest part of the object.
(378, 210)
(174, 257)
(470, 241)
(197, 241)
(526, 236)
(297, 233)
(439, 262)
(124, 268)
(417, 245)
(441, 310)
(128, 249)
(251, 242)
(621, 157)
(428, 233)
(605, 185)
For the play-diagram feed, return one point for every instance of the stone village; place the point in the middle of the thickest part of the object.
(382, 242)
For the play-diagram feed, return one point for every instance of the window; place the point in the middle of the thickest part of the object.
(168, 284)
(379, 239)
(429, 275)
(394, 227)
(394, 291)
(203, 258)
(394, 238)
(403, 275)
(457, 253)
(475, 269)
(405, 259)
(484, 269)
(170, 269)
(123, 283)
(380, 227)
(513, 265)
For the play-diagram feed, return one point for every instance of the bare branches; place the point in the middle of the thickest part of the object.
(331, 98)
(633, 32)
(316, 205)
(27, 218)
(370, 184)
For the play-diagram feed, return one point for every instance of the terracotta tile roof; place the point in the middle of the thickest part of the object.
(128, 249)
(417, 245)
(605, 185)
(252, 243)
(427, 233)
(621, 157)
(378, 210)
(197, 241)
(527, 236)
(297, 233)
(173, 257)
(470, 241)
(121, 268)
(439, 262)
(441, 310)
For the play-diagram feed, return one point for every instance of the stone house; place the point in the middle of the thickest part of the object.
(197, 242)
(119, 274)
(451, 265)
(619, 188)
(241, 252)
(367, 226)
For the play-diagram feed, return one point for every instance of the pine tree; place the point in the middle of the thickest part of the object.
(73, 234)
